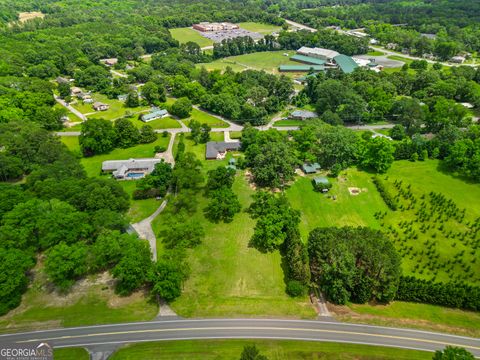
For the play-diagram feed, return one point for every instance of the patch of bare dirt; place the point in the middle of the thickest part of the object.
(25, 16)
(354, 191)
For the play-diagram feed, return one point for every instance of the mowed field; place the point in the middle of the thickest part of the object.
(272, 349)
(260, 28)
(267, 60)
(229, 278)
(184, 35)
(322, 210)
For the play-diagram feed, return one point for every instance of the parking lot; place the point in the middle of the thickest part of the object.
(218, 36)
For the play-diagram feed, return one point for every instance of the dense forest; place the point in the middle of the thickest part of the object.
(454, 23)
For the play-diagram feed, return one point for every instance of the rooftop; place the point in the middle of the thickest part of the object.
(215, 147)
(321, 180)
(307, 59)
(301, 67)
(304, 114)
(154, 114)
(345, 63)
(327, 53)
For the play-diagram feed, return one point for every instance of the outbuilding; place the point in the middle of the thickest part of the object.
(321, 183)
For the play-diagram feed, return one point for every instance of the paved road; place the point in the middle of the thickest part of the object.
(95, 336)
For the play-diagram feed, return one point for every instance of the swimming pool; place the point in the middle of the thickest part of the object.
(135, 175)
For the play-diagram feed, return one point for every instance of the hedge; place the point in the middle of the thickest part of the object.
(451, 294)
(389, 200)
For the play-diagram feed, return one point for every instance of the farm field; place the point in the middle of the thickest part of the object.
(227, 276)
(267, 60)
(413, 315)
(272, 349)
(186, 34)
(260, 28)
(441, 252)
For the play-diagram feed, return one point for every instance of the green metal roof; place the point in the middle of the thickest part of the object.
(345, 63)
(301, 67)
(307, 59)
(321, 180)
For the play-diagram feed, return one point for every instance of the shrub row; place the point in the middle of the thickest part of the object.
(389, 200)
(452, 294)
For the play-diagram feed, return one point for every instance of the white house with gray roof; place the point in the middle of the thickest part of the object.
(130, 169)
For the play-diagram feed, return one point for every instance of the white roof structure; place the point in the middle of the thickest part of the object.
(121, 167)
(316, 52)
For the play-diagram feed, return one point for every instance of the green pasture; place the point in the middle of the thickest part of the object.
(272, 349)
(268, 61)
(186, 34)
(229, 278)
(405, 314)
(261, 28)
(204, 117)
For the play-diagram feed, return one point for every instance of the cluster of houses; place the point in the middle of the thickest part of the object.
(316, 59)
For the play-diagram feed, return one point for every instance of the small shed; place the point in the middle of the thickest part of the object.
(321, 183)
(310, 168)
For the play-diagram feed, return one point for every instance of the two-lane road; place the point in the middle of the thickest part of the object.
(117, 334)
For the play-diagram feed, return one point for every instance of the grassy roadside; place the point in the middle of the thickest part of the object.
(71, 353)
(273, 350)
(412, 315)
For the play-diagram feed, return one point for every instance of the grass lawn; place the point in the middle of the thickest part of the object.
(426, 316)
(93, 165)
(228, 278)
(183, 35)
(204, 117)
(221, 65)
(267, 60)
(117, 108)
(71, 116)
(91, 301)
(261, 28)
(400, 58)
(71, 353)
(272, 349)
(139, 209)
(318, 210)
(289, 122)
(375, 53)
(71, 142)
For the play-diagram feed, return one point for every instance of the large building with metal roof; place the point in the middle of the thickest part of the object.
(345, 63)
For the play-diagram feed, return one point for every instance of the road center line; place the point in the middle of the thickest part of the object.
(253, 329)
